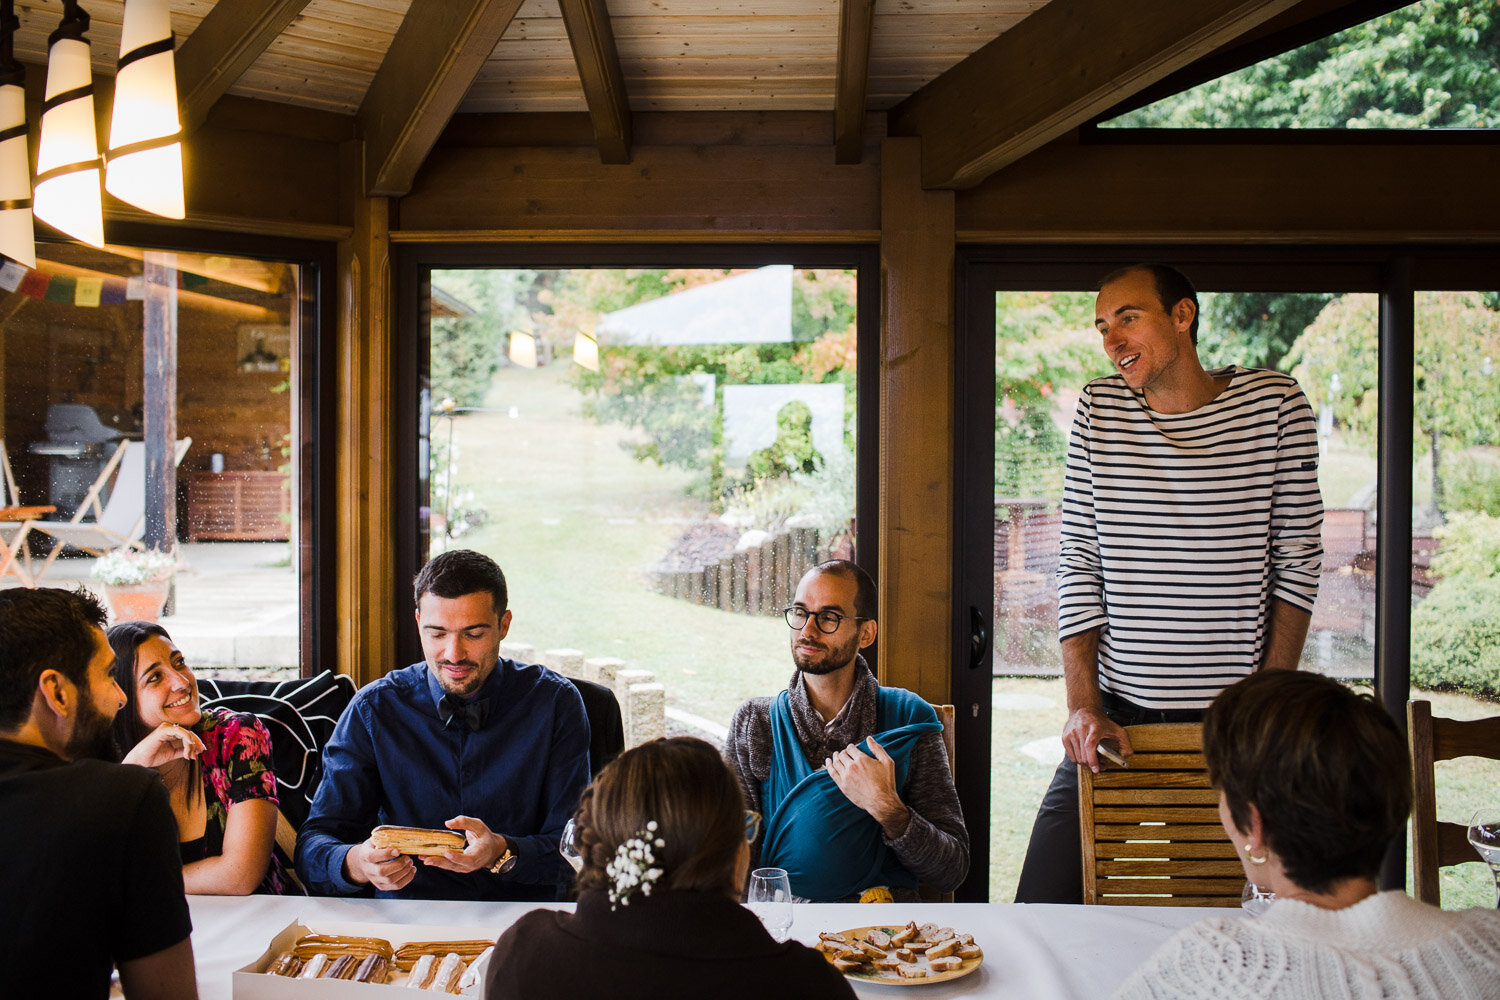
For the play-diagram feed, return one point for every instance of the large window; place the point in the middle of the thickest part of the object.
(194, 354)
(653, 456)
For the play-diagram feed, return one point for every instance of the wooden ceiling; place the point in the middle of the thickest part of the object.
(982, 82)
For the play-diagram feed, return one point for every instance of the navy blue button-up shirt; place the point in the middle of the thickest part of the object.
(391, 760)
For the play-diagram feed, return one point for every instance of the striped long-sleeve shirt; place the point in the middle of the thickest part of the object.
(1178, 529)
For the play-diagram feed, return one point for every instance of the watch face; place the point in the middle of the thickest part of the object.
(507, 864)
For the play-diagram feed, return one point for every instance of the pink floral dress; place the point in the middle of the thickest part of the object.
(236, 766)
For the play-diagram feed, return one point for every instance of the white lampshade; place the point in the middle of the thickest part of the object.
(17, 238)
(145, 156)
(586, 351)
(523, 350)
(67, 156)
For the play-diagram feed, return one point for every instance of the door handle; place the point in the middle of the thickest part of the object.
(979, 638)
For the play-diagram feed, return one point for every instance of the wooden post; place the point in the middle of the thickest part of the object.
(159, 387)
(366, 640)
(916, 426)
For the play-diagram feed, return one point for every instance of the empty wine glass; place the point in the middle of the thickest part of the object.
(568, 846)
(1255, 900)
(770, 898)
(1484, 834)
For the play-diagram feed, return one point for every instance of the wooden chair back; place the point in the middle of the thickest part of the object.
(1432, 738)
(945, 715)
(1151, 833)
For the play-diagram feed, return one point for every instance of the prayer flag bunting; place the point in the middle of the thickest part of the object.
(88, 292)
(11, 274)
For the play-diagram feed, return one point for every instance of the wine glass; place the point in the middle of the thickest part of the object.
(1484, 834)
(1255, 900)
(770, 898)
(568, 846)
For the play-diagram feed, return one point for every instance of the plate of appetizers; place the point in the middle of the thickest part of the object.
(913, 955)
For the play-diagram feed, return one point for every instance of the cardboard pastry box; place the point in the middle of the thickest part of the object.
(252, 983)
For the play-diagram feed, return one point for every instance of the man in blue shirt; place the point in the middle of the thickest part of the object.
(494, 749)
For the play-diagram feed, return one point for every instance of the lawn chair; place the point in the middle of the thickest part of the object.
(118, 523)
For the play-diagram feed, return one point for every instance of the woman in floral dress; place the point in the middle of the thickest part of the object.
(216, 766)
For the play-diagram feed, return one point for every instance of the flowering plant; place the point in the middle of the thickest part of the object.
(126, 567)
(634, 866)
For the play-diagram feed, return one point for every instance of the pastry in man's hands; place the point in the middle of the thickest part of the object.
(417, 840)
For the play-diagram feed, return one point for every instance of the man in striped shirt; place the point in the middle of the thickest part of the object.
(1191, 542)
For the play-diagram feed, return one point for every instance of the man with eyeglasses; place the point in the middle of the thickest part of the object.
(852, 777)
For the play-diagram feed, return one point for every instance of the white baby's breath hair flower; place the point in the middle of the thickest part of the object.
(634, 866)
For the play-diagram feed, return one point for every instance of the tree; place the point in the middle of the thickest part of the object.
(1434, 64)
(466, 350)
(1254, 329)
(1043, 341)
(1456, 390)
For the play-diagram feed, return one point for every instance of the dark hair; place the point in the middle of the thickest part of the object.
(864, 587)
(1172, 286)
(460, 572)
(686, 788)
(125, 639)
(43, 629)
(1326, 768)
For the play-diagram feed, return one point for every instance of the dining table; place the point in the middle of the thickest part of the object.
(1035, 951)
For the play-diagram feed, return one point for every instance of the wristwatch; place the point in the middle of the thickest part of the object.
(503, 863)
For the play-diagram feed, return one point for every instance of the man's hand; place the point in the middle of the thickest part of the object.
(870, 783)
(383, 867)
(167, 742)
(1085, 728)
(483, 850)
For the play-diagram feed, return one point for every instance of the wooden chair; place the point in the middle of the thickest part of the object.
(1436, 845)
(1151, 833)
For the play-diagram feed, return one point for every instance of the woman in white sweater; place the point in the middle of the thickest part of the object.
(1313, 785)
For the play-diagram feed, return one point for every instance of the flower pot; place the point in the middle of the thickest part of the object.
(140, 602)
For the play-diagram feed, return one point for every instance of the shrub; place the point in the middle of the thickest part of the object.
(1455, 631)
(1472, 482)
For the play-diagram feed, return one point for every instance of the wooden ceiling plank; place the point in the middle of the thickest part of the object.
(434, 58)
(856, 23)
(223, 45)
(593, 41)
(1054, 71)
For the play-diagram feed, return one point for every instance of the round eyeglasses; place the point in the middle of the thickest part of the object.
(828, 621)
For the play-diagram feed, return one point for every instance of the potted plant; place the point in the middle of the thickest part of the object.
(136, 582)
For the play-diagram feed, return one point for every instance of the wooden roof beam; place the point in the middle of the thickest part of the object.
(856, 21)
(433, 60)
(226, 42)
(598, 62)
(1054, 71)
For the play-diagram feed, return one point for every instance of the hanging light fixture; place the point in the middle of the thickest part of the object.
(17, 238)
(67, 159)
(145, 151)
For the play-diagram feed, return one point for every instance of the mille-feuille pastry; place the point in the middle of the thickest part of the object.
(372, 969)
(449, 971)
(342, 967)
(314, 966)
(416, 840)
(421, 972)
(285, 964)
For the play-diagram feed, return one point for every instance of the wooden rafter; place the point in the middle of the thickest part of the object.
(856, 19)
(228, 39)
(598, 61)
(1054, 71)
(433, 60)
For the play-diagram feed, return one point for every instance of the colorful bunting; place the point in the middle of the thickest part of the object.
(82, 291)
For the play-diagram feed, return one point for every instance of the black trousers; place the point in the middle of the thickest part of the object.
(1053, 870)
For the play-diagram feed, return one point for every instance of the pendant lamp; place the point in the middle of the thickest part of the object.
(17, 238)
(67, 159)
(145, 151)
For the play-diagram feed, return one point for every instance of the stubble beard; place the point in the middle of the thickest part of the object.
(827, 660)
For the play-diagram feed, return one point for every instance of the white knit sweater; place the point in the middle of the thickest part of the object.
(1386, 947)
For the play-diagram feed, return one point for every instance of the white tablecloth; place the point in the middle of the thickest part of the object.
(1036, 952)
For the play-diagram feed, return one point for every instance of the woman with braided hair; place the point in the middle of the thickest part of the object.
(661, 831)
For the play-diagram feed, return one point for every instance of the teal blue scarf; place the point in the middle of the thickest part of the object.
(831, 848)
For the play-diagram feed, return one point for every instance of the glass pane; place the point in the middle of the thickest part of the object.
(1046, 350)
(1432, 65)
(653, 457)
(1455, 650)
(81, 377)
